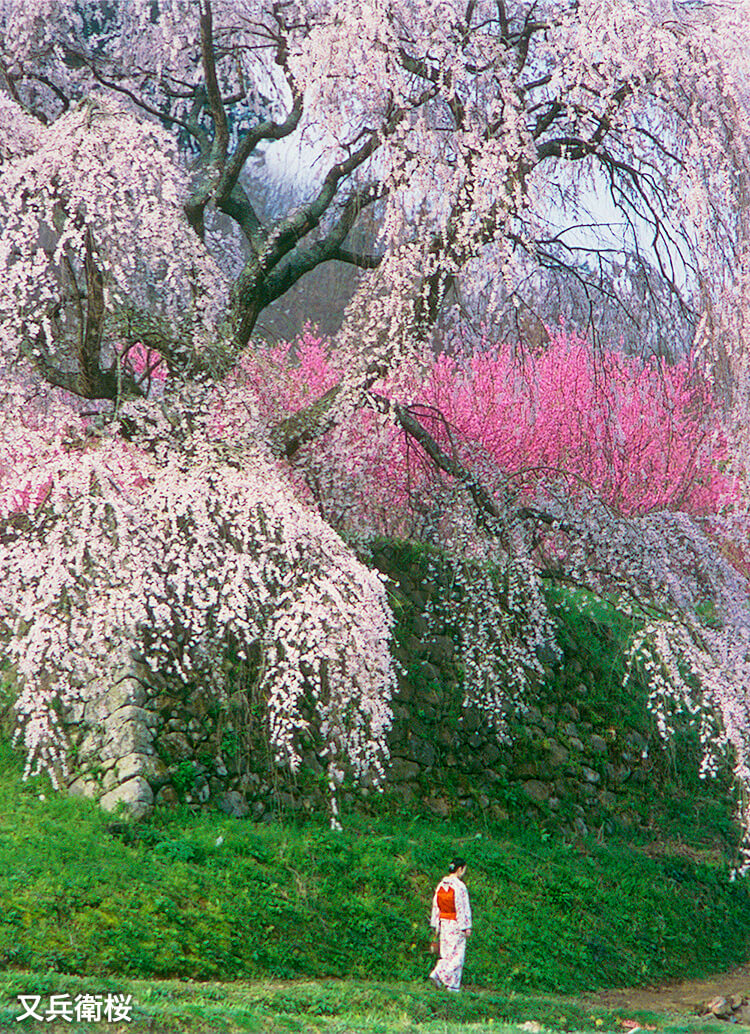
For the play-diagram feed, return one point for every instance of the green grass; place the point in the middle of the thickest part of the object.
(302, 902)
(323, 1007)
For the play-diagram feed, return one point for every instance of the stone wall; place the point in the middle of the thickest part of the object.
(142, 743)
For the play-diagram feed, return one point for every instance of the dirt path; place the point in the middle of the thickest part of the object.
(688, 996)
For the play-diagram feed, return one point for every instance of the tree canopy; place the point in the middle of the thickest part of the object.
(501, 150)
(474, 131)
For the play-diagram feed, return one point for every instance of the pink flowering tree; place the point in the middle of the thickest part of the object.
(643, 435)
(595, 468)
(474, 135)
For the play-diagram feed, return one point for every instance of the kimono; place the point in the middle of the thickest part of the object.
(451, 917)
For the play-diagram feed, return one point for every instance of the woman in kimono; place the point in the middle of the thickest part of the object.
(451, 920)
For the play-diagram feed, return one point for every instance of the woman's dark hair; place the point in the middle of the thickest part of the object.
(456, 864)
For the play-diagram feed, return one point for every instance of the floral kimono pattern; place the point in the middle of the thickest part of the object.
(451, 917)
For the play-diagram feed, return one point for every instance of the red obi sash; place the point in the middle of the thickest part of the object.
(446, 901)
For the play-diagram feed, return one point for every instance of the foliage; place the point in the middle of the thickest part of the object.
(166, 899)
(468, 131)
(327, 1007)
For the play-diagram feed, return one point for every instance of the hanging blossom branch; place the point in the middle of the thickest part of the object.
(184, 542)
(660, 568)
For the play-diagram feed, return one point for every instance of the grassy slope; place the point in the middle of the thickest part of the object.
(287, 902)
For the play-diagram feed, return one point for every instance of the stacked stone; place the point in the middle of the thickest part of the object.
(140, 741)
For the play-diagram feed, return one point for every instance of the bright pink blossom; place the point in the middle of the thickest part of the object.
(644, 436)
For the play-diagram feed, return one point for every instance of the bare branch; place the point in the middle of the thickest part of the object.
(216, 105)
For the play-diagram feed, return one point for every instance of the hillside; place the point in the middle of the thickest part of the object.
(636, 891)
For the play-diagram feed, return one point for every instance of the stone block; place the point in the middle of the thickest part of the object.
(570, 711)
(75, 712)
(132, 714)
(196, 704)
(402, 770)
(419, 625)
(135, 794)
(440, 649)
(405, 689)
(127, 734)
(96, 710)
(720, 1007)
(430, 672)
(558, 755)
(124, 692)
(636, 741)
(176, 746)
(598, 744)
(167, 797)
(83, 787)
(146, 765)
(90, 746)
(471, 719)
(421, 751)
(547, 655)
(445, 736)
(438, 806)
(536, 790)
(490, 754)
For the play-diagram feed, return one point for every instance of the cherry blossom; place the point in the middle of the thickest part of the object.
(190, 500)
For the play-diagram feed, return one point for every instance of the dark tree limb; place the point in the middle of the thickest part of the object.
(91, 339)
(215, 102)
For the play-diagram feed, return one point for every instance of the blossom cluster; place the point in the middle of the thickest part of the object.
(91, 170)
(602, 470)
(642, 435)
(181, 545)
